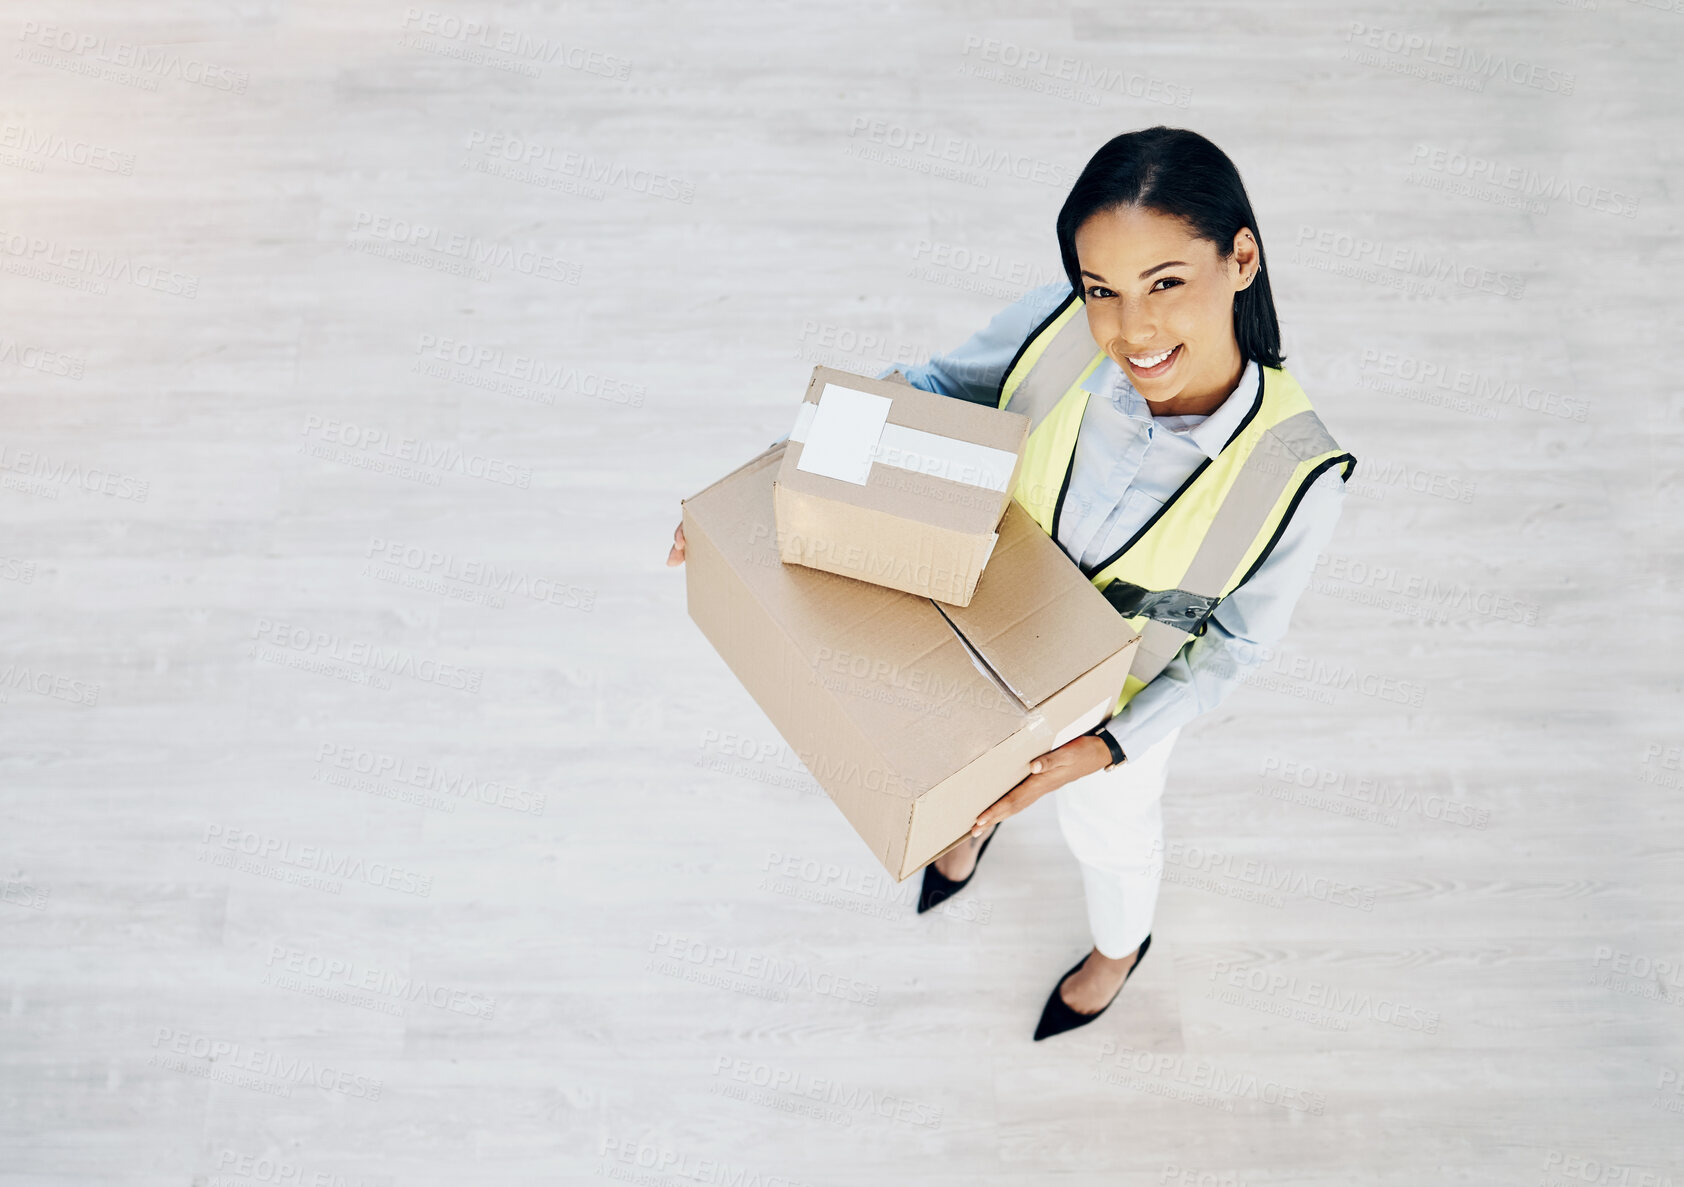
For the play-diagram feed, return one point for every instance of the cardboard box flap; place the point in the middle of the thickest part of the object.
(983, 666)
(1036, 632)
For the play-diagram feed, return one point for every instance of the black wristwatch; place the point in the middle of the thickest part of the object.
(1117, 755)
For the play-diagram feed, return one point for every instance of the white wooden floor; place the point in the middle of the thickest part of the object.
(371, 812)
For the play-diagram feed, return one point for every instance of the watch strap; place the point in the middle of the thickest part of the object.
(1117, 754)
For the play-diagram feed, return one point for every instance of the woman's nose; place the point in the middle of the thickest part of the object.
(1130, 326)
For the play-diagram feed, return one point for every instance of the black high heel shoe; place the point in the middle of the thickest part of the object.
(1057, 1017)
(938, 887)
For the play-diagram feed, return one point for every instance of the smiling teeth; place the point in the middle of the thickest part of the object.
(1147, 361)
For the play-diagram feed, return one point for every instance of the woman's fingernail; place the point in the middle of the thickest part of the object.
(1035, 767)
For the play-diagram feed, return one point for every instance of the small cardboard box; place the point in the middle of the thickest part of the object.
(912, 715)
(897, 486)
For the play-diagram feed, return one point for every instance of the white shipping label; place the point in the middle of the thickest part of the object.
(892, 445)
(843, 437)
(1084, 723)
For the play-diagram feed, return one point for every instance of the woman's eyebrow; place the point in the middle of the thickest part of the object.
(1143, 275)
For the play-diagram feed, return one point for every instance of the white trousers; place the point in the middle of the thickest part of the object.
(1113, 822)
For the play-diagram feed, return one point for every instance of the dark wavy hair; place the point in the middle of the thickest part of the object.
(1179, 173)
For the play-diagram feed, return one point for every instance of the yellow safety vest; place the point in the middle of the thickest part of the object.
(1212, 534)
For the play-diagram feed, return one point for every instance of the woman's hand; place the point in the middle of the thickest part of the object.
(1077, 757)
(676, 555)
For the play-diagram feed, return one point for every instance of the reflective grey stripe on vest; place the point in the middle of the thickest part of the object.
(1053, 374)
(1246, 507)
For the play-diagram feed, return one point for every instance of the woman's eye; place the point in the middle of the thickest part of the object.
(1166, 280)
(1096, 293)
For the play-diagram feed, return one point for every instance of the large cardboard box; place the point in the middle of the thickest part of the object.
(894, 485)
(914, 716)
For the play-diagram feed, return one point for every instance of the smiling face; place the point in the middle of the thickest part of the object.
(1160, 302)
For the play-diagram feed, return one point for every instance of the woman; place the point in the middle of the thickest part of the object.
(1195, 491)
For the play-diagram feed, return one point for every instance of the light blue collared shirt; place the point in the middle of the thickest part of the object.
(1127, 465)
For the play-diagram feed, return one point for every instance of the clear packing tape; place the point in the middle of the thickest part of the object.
(847, 431)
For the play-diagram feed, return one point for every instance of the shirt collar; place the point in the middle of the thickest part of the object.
(1210, 434)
